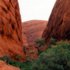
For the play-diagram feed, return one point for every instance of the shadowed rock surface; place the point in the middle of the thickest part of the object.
(10, 30)
(59, 23)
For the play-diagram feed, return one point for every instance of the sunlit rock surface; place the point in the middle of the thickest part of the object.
(10, 30)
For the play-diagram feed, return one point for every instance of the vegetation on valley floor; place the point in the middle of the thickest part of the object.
(57, 57)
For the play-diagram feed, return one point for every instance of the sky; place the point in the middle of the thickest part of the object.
(35, 9)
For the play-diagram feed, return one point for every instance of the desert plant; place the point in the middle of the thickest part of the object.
(40, 42)
(54, 58)
(53, 41)
(22, 65)
(6, 59)
(24, 49)
(17, 57)
(57, 58)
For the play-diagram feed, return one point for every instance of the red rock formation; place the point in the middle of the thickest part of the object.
(59, 22)
(33, 30)
(10, 29)
(4, 66)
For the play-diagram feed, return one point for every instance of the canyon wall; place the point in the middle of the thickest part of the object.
(10, 30)
(59, 23)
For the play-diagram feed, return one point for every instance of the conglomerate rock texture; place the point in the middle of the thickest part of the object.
(10, 30)
(59, 23)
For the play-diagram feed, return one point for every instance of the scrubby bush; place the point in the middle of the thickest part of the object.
(53, 41)
(24, 49)
(6, 59)
(17, 57)
(40, 42)
(22, 65)
(57, 58)
(54, 58)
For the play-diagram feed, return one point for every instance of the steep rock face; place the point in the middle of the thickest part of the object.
(4, 66)
(33, 30)
(59, 23)
(10, 29)
(10, 23)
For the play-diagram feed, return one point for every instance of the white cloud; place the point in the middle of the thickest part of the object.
(35, 9)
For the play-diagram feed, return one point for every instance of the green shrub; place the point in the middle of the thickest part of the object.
(6, 59)
(57, 58)
(17, 57)
(40, 42)
(24, 49)
(22, 65)
(53, 41)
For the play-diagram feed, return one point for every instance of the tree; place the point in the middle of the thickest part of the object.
(57, 58)
(40, 42)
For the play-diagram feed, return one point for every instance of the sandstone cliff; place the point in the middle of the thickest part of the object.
(59, 23)
(10, 29)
